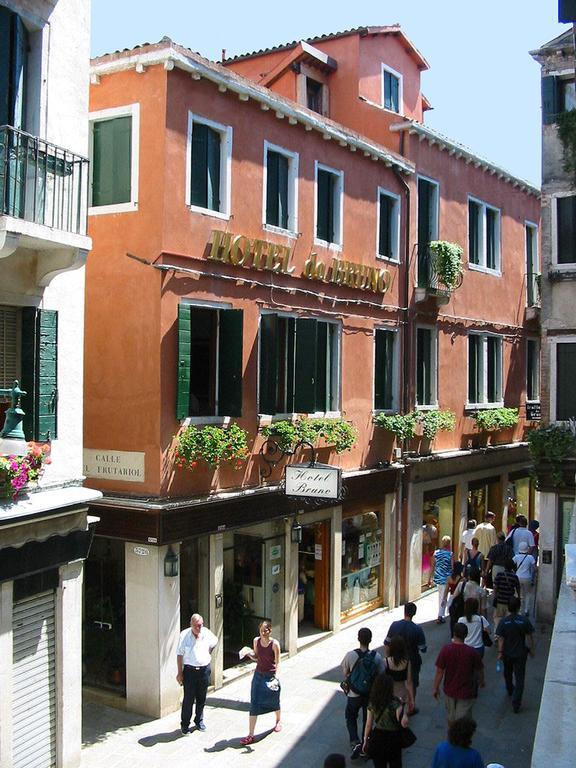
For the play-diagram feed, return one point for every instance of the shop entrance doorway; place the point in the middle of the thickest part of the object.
(437, 521)
(314, 578)
(486, 496)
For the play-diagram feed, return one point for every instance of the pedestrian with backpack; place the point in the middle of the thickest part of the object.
(361, 667)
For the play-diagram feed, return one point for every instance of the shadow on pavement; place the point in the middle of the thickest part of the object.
(99, 721)
(239, 706)
(160, 738)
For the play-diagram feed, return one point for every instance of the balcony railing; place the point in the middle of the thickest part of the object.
(533, 289)
(430, 279)
(42, 183)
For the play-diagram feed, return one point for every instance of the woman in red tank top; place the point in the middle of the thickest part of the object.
(265, 691)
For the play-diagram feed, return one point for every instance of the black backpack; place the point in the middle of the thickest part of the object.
(363, 673)
(456, 609)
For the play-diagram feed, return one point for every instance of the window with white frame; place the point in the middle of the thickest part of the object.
(483, 235)
(388, 225)
(565, 373)
(299, 365)
(391, 89)
(209, 166)
(565, 240)
(426, 366)
(484, 369)
(532, 265)
(114, 146)
(385, 369)
(532, 370)
(329, 203)
(280, 196)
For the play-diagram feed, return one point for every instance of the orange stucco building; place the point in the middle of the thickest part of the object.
(261, 235)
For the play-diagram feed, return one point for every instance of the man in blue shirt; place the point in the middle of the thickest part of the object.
(457, 752)
(513, 632)
(415, 640)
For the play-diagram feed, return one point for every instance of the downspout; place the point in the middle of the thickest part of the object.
(406, 347)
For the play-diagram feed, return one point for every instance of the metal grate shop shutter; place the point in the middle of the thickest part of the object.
(34, 682)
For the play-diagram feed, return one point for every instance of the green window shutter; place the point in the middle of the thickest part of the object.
(272, 189)
(325, 206)
(473, 221)
(268, 380)
(474, 369)
(491, 238)
(13, 58)
(493, 369)
(424, 367)
(424, 227)
(532, 366)
(283, 191)
(385, 233)
(230, 363)
(565, 377)
(394, 94)
(305, 367)
(40, 372)
(112, 161)
(205, 171)
(5, 68)
(550, 93)
(322, 377)
(387, 91)
(213, 169)
(566, 227)
(383, 369)
(184, 359)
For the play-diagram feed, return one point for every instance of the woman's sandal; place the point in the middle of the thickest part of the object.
(277, 728)
(247, 740)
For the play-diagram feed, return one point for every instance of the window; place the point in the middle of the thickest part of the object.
(558, 95)
(566, 230)
(314, 93)
(483, 235)
(426, 369)
(533, 370)
(209, 361)
(329, 201)
(484, 369)
(14, 46)
(29, 353)
(388, 225)
(391, 90)
(427, 228)
(280, 204)
(299, 365)
(209, 166)
(532, 266)
(565, 378)
(114, 137)
(385, 369)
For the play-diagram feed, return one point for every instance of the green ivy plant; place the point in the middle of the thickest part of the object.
(213, 445)
(436, 421)
(337, 432)
(566, 122)
(403, 426)
(493, 419)
(447, 262)
(552, 444)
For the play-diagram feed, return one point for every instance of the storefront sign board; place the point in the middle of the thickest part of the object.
(127, 466)
(319, 482)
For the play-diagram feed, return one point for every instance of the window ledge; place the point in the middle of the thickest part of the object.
(265, 418)
(562, 272)
(483, 406)
(99, 210)
(485, 270)
(387, 411)
(279, 230)
(389, 259)
(329, 246)
(209, 212)
(195, 421)
(430, 407)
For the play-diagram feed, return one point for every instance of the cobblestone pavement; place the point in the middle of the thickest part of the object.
(313, 714)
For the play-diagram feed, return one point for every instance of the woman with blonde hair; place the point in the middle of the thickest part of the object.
(442, 564)
(265, 690)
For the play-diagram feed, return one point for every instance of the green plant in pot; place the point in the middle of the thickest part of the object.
(447, 263)
(212, 445)
(436, 421)
(492, 419)
(402, 426)
(337, 432)
(552, 444)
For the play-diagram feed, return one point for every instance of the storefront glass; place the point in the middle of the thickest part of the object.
(437, 521)
(361, 560)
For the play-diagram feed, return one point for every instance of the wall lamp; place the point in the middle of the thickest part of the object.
(296, 533)
(170, 563)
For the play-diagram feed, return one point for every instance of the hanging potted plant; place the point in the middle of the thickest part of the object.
(338, 433)
(494, 420)
(212, 445)
(17, 472)
(447, 263)
(433, 422)
(402, 426)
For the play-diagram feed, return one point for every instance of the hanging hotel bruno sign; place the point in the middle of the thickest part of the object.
(242, 251)
(318, 481)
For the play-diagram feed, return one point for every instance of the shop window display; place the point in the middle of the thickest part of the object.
(361, 560)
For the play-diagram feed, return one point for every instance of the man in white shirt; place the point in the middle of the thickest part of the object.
(525, 570)
(520, 534)
(466, 540)
(193, 659)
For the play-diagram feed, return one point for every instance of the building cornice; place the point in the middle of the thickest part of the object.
(425, 133)
(170, 56)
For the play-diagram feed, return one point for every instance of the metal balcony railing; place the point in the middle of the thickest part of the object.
(42, 183)
(428, 275)
(533, 289)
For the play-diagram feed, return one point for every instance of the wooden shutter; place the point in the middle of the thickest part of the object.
(325, 206)
(112, 161)
(306, 365)
(424, 214)
(491, 238)
(565, 378)
(424, 367)
(473, 369)
(385, 233)
(550, 100)
(473, 221)
(40, 372)
(268, 380)
(8, 349)
(383, 369)
(322, 378)
(5, 56)
(13, 57)
(230, 363)
(566, 226)
(394, 93)
(493, 369)
(213, 169)
(184, 358)
(205, 171)
(272, 198)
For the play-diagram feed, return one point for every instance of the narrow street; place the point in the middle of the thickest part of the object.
(313, 713)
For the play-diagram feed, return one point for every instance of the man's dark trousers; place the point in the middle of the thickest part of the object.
(195, 687)
(353, 706)
(514, 674)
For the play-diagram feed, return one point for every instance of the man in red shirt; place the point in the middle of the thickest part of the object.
(462, 670)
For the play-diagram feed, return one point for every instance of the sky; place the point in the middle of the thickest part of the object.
(482, 82)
